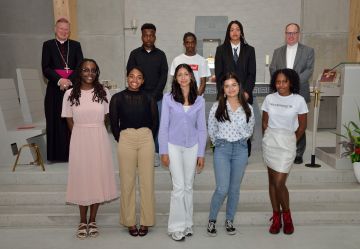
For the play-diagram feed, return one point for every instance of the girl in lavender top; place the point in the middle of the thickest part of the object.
(182, 141)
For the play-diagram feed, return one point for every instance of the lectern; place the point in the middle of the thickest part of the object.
(347, 103)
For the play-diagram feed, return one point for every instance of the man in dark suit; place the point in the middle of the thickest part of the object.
(299, 57)
(236, 56)
(60, 56)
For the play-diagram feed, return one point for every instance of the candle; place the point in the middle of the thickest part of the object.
(267, 59)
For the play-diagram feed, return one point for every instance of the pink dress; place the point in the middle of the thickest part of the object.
(91, 177)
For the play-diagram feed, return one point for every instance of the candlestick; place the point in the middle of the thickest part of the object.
(267, 59)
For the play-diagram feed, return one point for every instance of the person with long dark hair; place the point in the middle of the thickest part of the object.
(91, 177)
(231, 123)
(182, 141)
(283, 123)
(237, 56)
(134, 124)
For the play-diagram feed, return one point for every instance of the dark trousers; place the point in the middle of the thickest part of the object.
(300, 146)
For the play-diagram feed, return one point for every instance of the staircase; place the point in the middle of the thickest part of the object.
(32, 198)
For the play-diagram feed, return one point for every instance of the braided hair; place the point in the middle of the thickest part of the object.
(99, 91)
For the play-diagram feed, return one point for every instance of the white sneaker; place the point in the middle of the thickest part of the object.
(178, 236)
(157, 160)
(188, 231)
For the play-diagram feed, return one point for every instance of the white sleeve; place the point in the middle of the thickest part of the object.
(172, 67)
(213, 123)
(265, 105)
(302, 106)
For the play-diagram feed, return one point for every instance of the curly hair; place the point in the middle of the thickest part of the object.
(176, 90)
(99, 91)
(290, 75)
(221, 113)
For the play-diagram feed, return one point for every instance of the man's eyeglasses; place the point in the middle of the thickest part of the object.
(87, 70)
(291, 33)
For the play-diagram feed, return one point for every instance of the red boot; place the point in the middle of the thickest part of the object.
(288, 224)
(276, 223)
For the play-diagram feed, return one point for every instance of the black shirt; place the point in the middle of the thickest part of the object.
(130, 109)
(155, 68)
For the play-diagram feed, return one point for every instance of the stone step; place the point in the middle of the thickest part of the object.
(248, 214)
(55, 194)
(255, 174)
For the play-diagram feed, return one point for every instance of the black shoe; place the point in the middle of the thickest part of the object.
(298, 160)
(211, 230)
(229, 227)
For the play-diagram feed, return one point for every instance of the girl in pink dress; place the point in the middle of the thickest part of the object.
(91, 179)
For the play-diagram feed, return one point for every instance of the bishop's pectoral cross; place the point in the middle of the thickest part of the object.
(66, 68)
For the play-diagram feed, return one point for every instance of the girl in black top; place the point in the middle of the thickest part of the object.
(134, 123)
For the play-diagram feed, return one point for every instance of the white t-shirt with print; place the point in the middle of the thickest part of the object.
(283, 111)
(197, 63)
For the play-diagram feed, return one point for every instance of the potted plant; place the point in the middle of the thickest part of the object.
(352, 145)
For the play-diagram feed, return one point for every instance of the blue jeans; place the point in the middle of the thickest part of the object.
(230, 161)
(156, 141)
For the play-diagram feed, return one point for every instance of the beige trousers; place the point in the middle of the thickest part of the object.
(136, 157)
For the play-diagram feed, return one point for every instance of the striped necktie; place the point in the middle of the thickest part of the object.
(235, 56)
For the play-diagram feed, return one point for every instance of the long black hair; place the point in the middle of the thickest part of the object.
(221, 113)
(99, 91)
(290, 75)
(242, 35)
(176, 90)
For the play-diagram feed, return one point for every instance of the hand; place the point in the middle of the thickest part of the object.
(200, 164)
(165, 160)
(64, 84)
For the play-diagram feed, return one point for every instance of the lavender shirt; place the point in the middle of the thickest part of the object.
(182, 128)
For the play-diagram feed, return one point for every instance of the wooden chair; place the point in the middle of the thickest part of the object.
(13, 130)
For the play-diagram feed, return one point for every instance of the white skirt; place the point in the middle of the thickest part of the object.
(279, 149)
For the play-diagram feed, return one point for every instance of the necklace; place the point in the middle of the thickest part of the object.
(62, 57)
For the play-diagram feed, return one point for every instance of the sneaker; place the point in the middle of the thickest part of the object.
(211, 229)
(157, 160)
(188, 232)
(229, 226)
(178, 236)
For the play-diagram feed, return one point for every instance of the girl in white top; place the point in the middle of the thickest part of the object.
(283, 123)
(231, 124)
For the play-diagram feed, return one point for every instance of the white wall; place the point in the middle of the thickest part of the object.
(263, 22)
(101, 33)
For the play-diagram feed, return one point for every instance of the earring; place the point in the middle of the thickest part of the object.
(224, 95)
